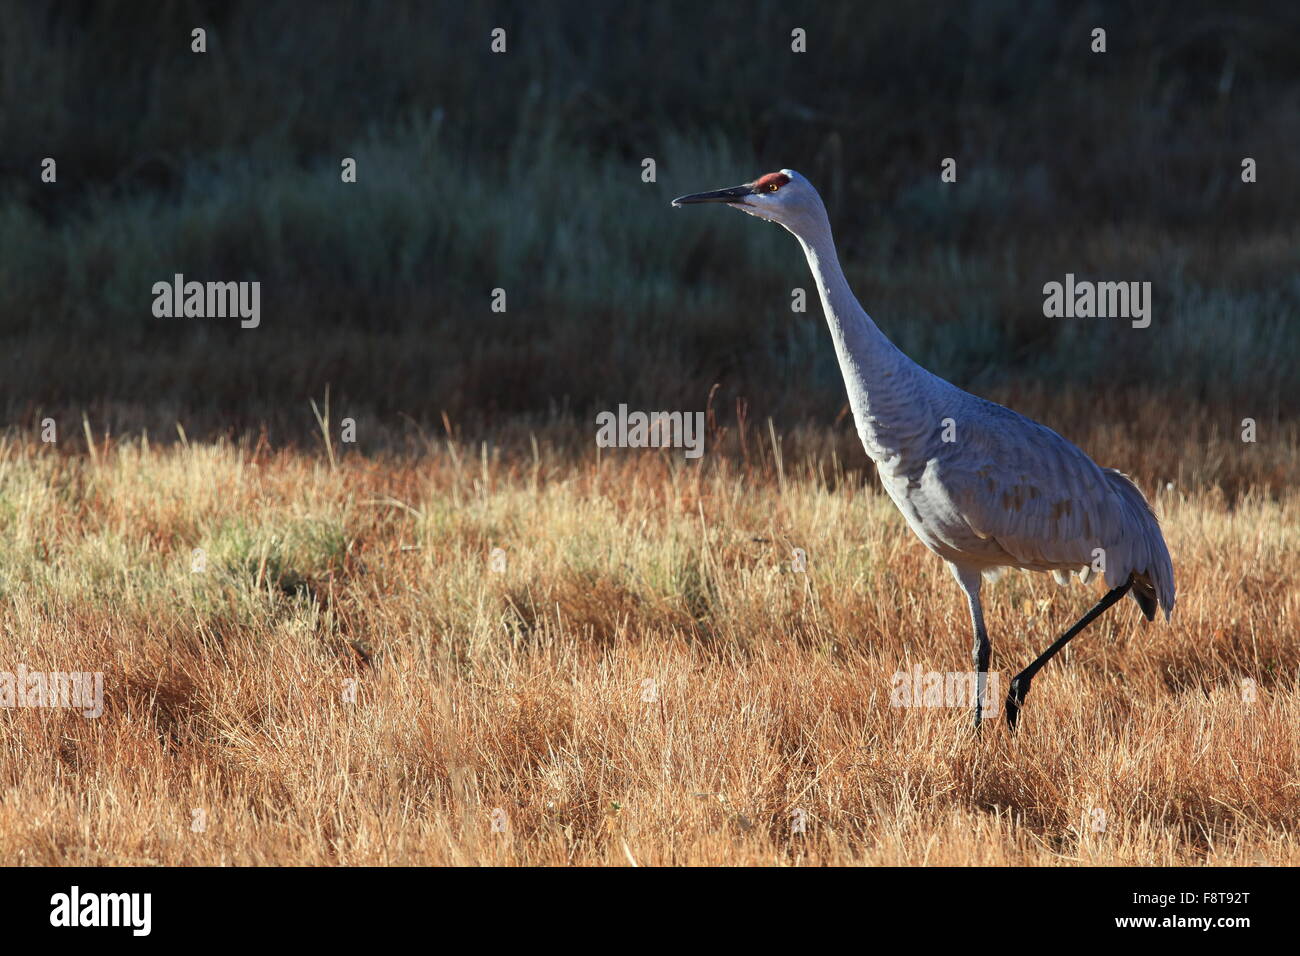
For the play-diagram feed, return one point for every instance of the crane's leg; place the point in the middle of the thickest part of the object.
(1020, 684)
(970, 580)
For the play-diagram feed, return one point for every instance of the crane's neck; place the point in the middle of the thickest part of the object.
(886, 389)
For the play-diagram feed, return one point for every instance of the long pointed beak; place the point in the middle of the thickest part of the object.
(733, 195)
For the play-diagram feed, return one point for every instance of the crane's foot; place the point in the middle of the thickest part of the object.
(1016, 699)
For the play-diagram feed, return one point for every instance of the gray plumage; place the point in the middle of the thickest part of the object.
(982, 486)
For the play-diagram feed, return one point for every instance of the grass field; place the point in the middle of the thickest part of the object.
(646, 680)
(311, 651)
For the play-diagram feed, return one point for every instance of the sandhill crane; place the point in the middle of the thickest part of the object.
(983, 487)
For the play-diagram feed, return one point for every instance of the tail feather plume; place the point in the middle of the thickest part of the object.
(1148, 559)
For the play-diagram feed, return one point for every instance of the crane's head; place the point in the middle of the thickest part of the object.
(783, 197)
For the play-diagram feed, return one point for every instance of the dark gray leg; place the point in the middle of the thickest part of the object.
(983, 651)
(970, 580)
(1020, 685)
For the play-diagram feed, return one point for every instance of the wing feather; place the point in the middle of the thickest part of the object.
(1048, 506)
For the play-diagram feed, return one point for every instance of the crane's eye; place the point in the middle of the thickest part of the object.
(770, 183)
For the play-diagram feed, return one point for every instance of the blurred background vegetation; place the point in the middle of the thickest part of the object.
(523, 171)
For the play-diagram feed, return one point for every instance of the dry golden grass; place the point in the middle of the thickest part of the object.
(525, 690)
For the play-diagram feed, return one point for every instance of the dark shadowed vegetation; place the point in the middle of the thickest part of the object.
(522, 171)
